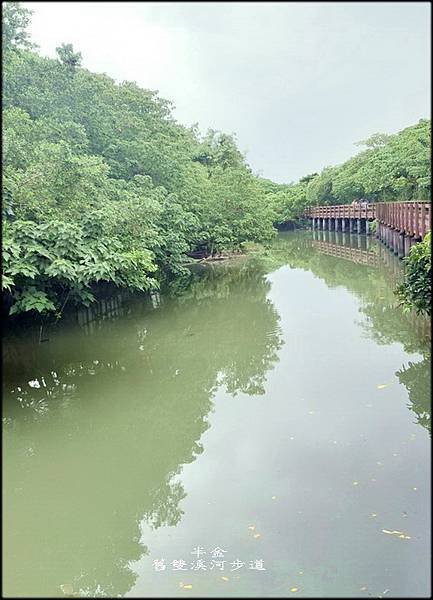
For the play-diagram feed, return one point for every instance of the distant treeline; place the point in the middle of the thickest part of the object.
(392, 168)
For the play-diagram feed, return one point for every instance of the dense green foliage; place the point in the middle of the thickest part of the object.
(415, 291)
(391, 168)
(102, 184)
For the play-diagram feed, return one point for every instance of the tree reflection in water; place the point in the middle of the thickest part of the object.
(371, 272)
(100, 420)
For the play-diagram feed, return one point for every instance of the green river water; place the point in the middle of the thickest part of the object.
(267, 422)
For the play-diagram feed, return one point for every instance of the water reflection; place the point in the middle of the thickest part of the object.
(100, 420)
(152, 373)
(369, 270)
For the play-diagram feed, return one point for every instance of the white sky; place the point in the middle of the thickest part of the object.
(298, 82)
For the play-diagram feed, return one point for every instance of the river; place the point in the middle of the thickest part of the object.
(261, 430)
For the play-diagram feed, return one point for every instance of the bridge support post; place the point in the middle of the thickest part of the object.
(337, 225)
(359, 221)
(407, 245)
(367, 228)
(323, 223)
(343, 225)
(395, 241)
(400, 244)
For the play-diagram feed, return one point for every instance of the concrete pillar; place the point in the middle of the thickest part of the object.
(395, 241)
(400, 245)
(391, 239)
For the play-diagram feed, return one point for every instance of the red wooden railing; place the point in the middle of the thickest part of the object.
(411, 218)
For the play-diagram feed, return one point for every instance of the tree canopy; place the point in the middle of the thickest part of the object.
(391, 168)
(101, 183)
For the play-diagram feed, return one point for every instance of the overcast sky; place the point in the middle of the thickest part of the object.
(297, 82)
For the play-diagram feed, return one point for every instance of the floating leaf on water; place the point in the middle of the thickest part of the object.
(382, 385)
(400, 534)
(294, 589)
(67, 589)
(225, 578)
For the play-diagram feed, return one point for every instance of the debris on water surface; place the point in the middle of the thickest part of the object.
(364, 588)
(294, 589)
(252, 527)
(225, 578)
(187, 586)
(273, 498)
(382, 385)
(372, 515)
(257, 535)
(355, 483)
(399, 534)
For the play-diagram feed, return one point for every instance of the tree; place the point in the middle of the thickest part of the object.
(15, 20)
(68, 57)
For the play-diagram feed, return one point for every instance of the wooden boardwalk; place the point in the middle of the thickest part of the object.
(399, 224)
